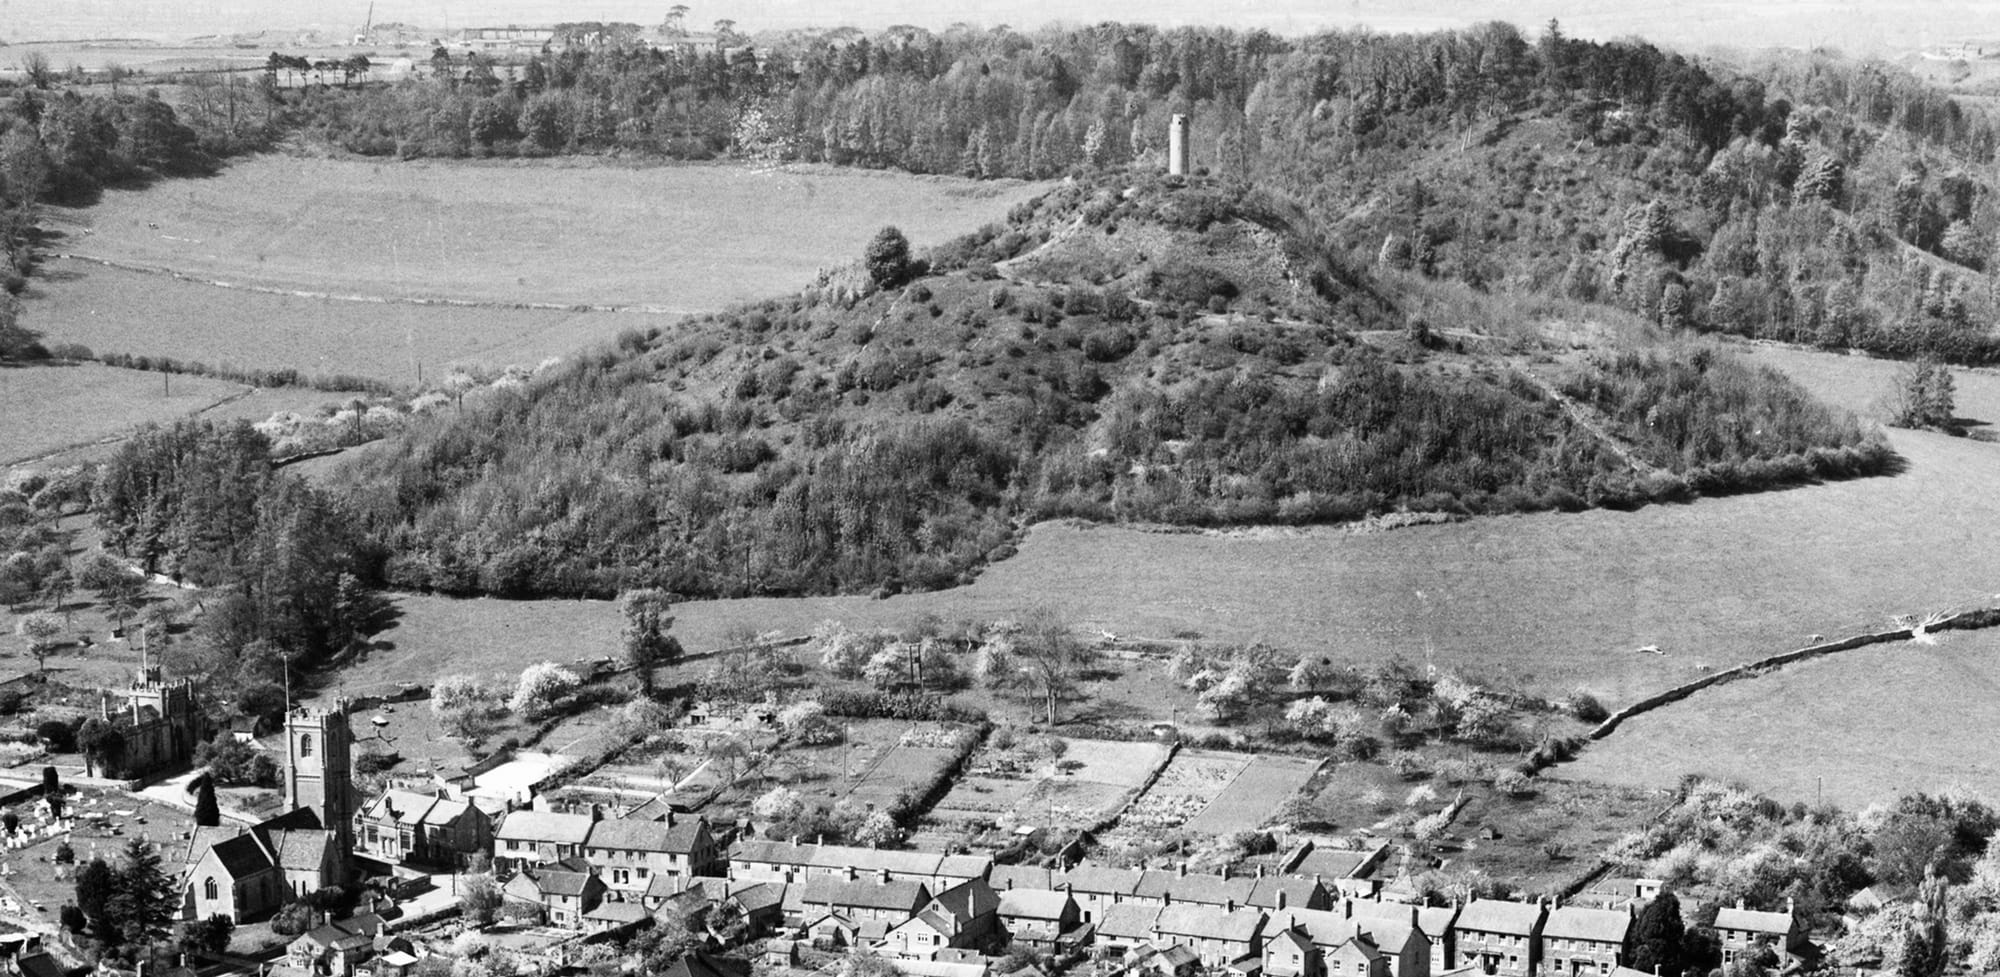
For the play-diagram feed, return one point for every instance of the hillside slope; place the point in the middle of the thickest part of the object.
(1127, 348)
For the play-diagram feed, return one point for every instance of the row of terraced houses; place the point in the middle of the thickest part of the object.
(1286, 920)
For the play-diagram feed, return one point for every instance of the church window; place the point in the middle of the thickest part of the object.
(305, 744)
(208, 889)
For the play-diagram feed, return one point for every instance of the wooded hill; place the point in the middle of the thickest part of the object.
(1805, 197)
(1131, 347)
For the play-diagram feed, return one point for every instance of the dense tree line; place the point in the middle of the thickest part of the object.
(200, 502)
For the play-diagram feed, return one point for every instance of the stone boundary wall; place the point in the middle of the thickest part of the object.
(1983, 617)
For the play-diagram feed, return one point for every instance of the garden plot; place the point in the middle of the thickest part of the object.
(1190, 783)
(874, 762)
(1256, 794)
(1027, 782)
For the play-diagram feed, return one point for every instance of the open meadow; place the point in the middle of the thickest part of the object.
(321, 256)
(46, 408)
(1865, 725)
(564, 232)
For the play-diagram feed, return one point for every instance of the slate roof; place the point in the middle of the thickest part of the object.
(400, 806)
(662, 885)
(1436, 921)
(445, 811)
(1500, 916)
(1004, 877)
(545, 827)
(39, 964)
(1129, 921)
(902, 895)
(965, 866)
(618, 913)
(300, 850)
(1595, 925)
(657, 809)
(1210, 923)
(1048, 904)
(1299, 893)
(242, 856)
(968, 900)
(773, 852)
(762, 895)
(1734, 918)
(634, 834)
(1333, 863)
(560, 883)
(1098, 880)
(704, 965)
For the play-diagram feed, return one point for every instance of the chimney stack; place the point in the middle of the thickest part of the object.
(1281, 898)
(1181, 869)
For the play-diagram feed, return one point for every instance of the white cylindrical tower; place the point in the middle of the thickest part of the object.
(1177, 146)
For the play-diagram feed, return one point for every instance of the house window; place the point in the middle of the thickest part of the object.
(208, 889)
(305, 744)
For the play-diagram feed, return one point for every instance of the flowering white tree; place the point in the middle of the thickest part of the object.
(543, 686)
(779, 804)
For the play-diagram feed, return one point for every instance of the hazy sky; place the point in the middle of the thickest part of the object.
(1854, 25)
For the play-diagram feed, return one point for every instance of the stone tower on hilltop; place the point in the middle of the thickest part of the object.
(1177, 146)
(319, 769)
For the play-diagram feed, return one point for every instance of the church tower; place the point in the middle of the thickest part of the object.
(319, 769)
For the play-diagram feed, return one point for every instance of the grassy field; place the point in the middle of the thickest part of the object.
(554, 232)
(568, 231)
(1858, 727)
(112, 310)
(44, 408)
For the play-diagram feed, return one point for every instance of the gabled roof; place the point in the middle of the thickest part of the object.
(1333, 863)
(1756, 921)
(704, 965)
(967, 900)
(633, 834)
(1209, 923)
(1099, 880)
(1436, 921)
(1596, 925)
(903, 895)
(555, 882)
(1004, 877)
(300, 850)
(662, 885)
(205, 838)
(242, 856)
(1290, 938)
(400, 806)
(445, 811)
(1048, 904)
(39, 964)
(965, 866)
(758, 896)
(1500, 916)
(1360, 944)
(1129, 921)
(657, 809)
(773, 852)
(545, 827)
(1298, 892)
(618, 913)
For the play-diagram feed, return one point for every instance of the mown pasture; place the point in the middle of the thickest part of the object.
(561, 232)
(1854, 728)
(46, 408)
(532, 243)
